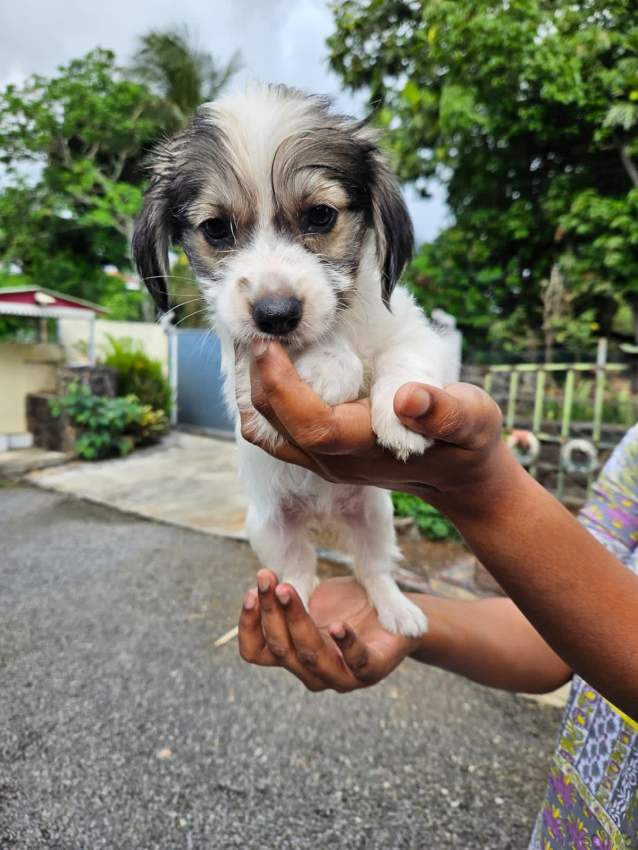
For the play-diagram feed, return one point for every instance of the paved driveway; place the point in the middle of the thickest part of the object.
(121, 726)
(186, 480)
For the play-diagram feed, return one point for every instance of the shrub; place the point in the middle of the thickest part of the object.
(109, 426)
(138, 374)
(431, 524)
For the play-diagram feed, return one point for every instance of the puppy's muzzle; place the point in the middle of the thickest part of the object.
(277, 315)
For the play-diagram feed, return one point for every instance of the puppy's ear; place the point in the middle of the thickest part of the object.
(392, 225)
(151, 239)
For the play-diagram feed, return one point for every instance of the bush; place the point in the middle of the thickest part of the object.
(109, 426)
(138, 374)
(431, 524)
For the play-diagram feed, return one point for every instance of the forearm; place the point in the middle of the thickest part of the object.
(578, 596)
(490, 642)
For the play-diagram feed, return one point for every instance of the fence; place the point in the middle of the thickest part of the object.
(579, 442)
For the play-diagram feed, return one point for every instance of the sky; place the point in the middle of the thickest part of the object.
(279, 41)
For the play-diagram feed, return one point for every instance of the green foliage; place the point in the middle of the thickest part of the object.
(619, 406)
(109, 426)
(179, 74)
(138, 374)
(81, 136)
(72, 152)
(126, 305)
(528, 111)
(430, 522)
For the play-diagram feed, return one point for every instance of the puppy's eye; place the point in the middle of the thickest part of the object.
(319, 219)
(217, 231)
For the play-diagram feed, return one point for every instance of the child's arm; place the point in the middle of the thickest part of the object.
(574, 591)
(576, 594)
(487, 640)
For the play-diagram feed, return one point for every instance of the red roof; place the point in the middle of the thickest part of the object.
(39, 296)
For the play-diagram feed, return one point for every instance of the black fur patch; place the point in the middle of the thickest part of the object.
(180, 167)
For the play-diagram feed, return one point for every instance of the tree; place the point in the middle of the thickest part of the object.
(528, 110)
(180, 75)
(72, 148)
(73, 151)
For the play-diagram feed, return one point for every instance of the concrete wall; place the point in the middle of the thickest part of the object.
(24, 368)
(74, 331)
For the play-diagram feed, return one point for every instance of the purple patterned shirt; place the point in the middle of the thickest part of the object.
(591, 801)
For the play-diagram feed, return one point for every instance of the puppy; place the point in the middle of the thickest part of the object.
(296, 229)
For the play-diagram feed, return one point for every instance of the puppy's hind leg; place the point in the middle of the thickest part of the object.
(372, 542)
(280, 542)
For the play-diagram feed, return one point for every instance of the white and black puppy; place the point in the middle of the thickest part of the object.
(295, 227)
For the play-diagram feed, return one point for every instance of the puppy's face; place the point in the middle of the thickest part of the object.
(275, 202)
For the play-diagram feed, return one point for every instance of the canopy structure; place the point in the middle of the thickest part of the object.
(37, 302)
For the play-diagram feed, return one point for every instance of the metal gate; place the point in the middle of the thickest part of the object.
(200, 399)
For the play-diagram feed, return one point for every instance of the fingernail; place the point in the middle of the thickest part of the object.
(283, 595)
(260, 347)
(263, 584)
(339, 632)
(419, 403)
(249, 601)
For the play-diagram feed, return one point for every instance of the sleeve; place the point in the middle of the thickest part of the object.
(611, 513)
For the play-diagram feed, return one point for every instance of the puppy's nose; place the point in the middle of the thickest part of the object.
(277, 315)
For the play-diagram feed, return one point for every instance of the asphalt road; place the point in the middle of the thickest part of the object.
(122, 727)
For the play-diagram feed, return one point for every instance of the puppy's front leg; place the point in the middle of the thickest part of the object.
(333, 370)
(372, 541)
(280, 542)
(392, 369)
(408, 349)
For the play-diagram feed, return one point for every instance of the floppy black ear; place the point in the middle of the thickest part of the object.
(392, 226)
(151, 240)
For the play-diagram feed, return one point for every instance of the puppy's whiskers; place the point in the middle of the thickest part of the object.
(190, 316)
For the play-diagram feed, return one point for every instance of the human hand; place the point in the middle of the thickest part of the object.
(465, 465)
(338, 644)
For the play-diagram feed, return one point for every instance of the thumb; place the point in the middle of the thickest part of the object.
(461, 414)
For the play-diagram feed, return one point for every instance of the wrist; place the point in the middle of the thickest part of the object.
(432, 647)
(485, 493)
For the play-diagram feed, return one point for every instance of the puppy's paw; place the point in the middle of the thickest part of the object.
(393, 435)
(259, 431)
(335, 375)
(397, 613)
(401, 616)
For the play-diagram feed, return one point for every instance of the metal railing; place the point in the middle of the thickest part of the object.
(601, 370)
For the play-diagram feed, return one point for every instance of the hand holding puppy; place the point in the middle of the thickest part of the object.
(338, 645)
(467, 461)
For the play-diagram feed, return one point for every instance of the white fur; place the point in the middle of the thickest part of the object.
(363, 350)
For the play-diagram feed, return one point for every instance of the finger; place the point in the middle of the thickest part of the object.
(273, 621)
(309, 422)
(290, 454)
(359, 659)
(276, 634)
(320, 657)
(461, 414)
(252, 645)
(283, 449)
(258, 396)
(287, 398)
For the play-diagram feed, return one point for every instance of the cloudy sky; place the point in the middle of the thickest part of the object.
(279, 41)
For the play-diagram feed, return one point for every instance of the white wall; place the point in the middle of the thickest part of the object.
(74, 331)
